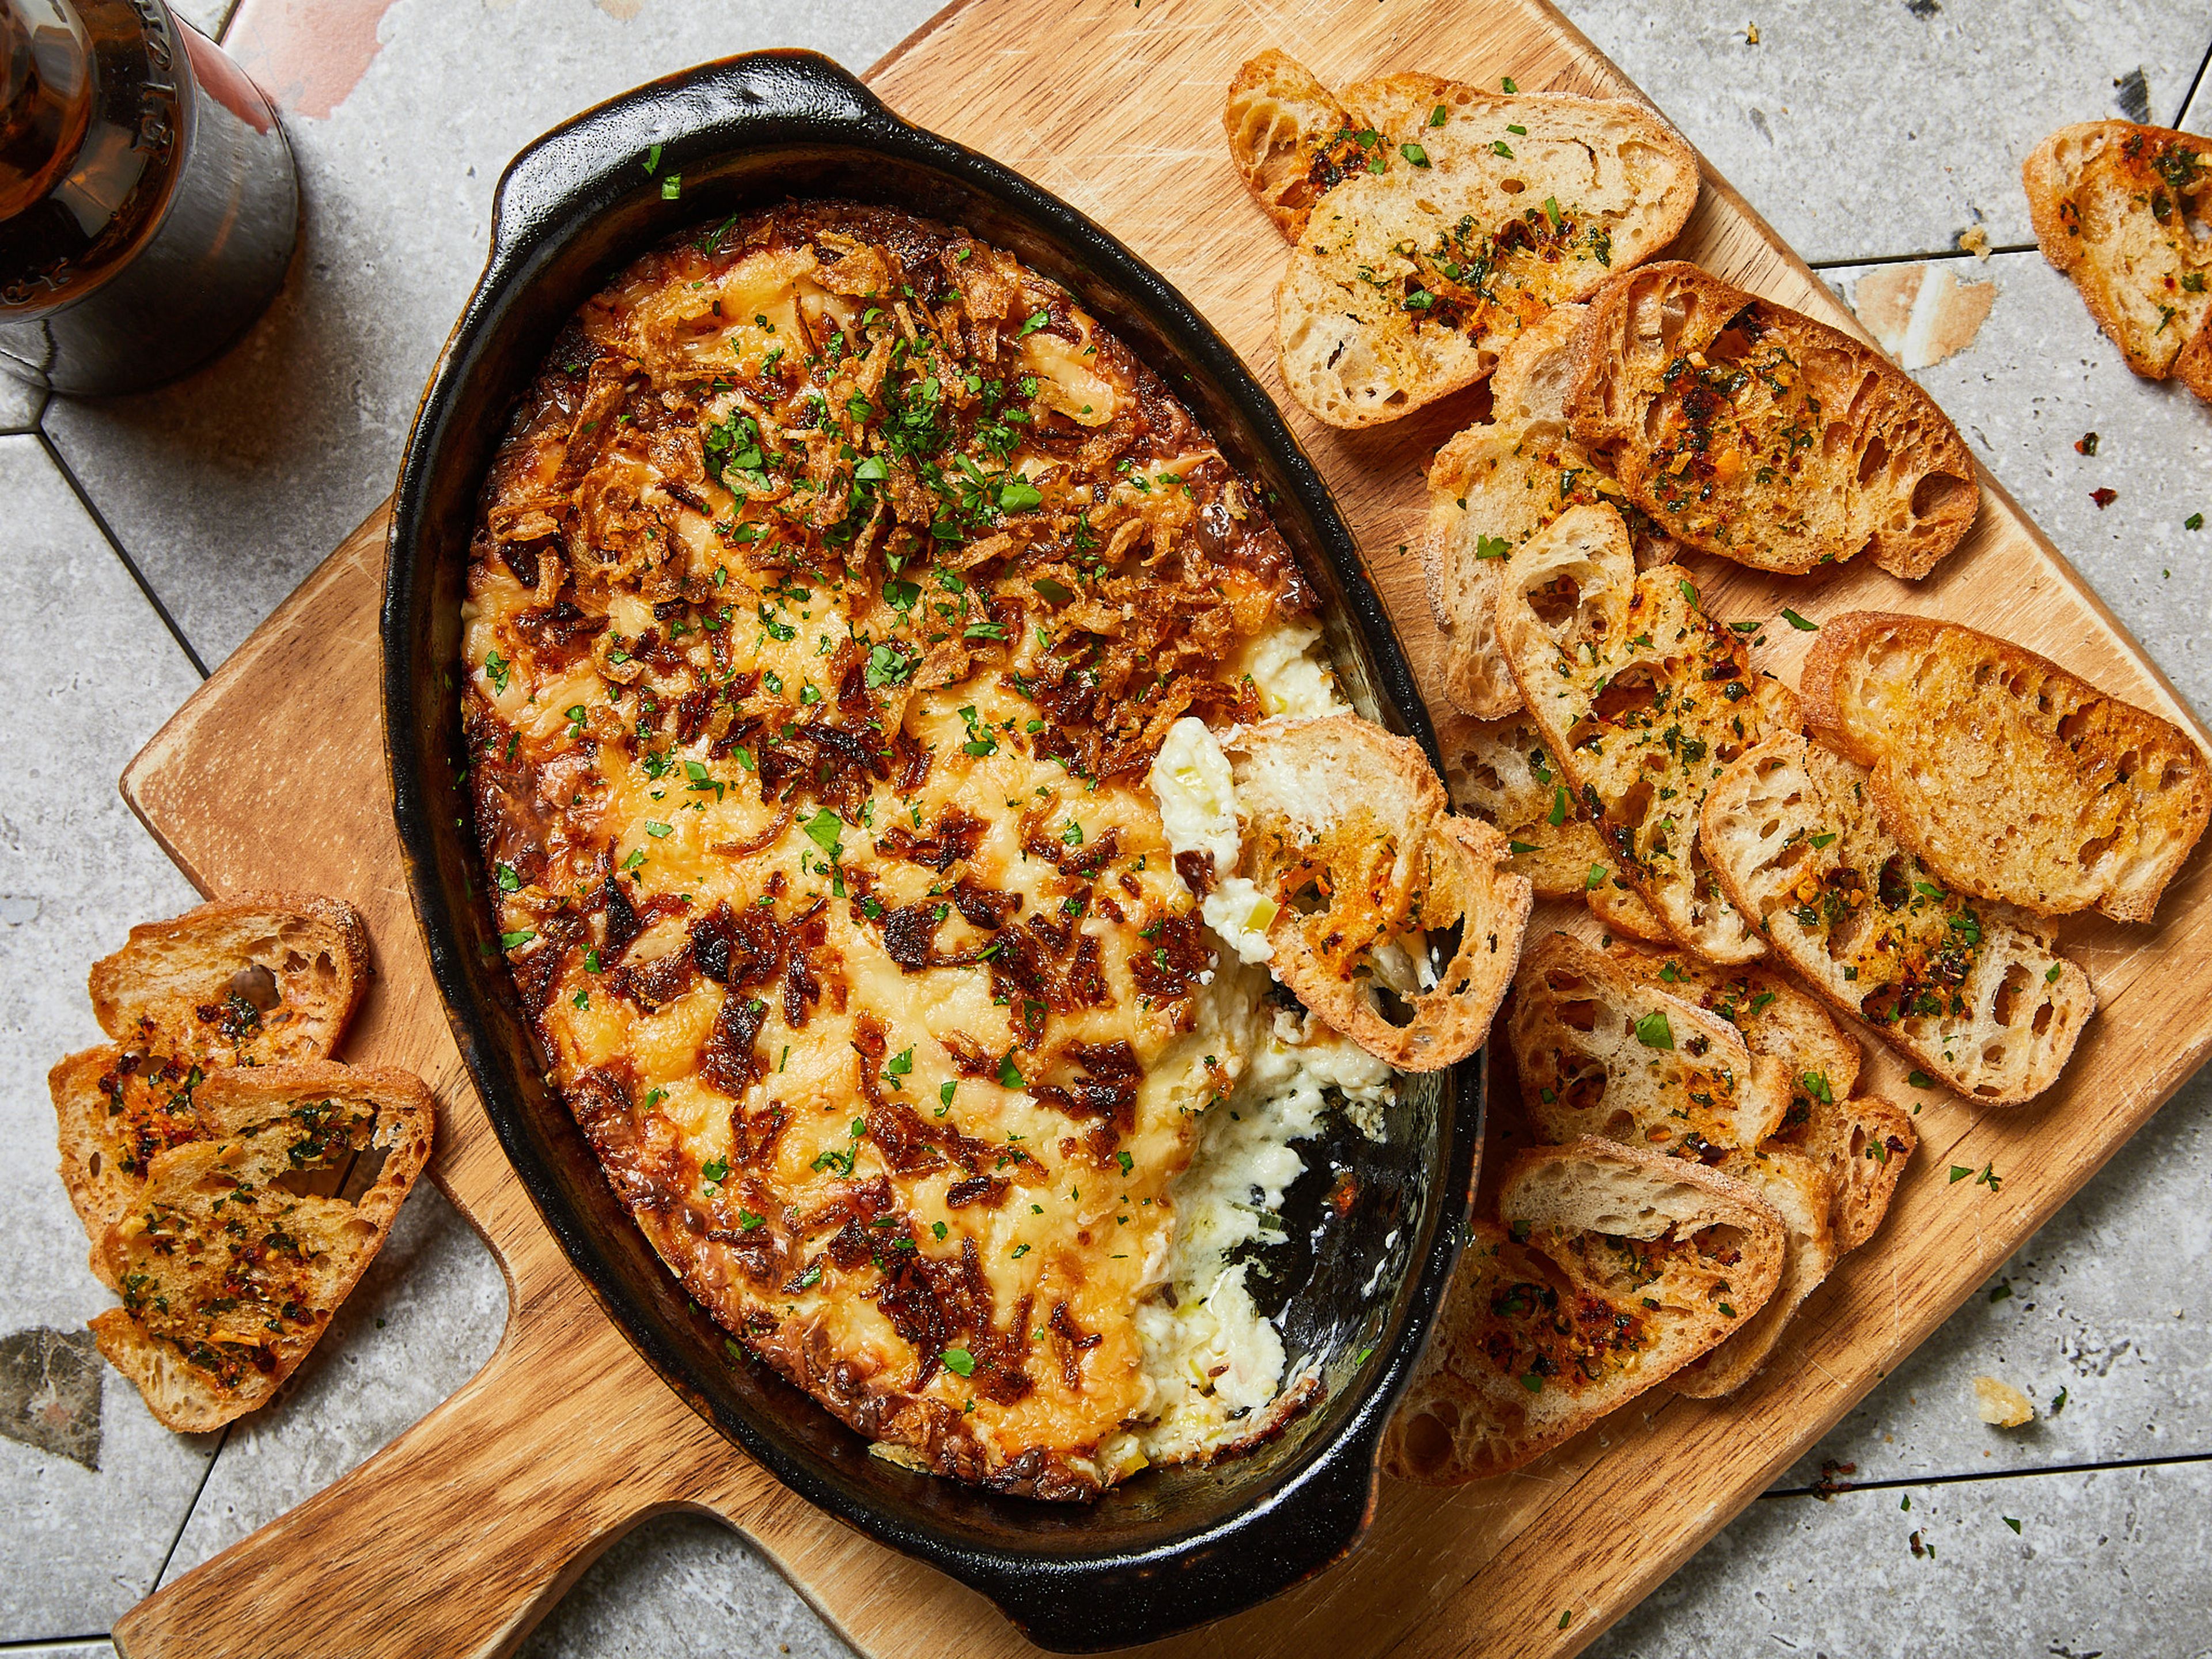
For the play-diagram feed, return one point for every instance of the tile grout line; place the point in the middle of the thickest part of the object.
(1907, 259)
(1901, 1483)
(115, 542)
(2196, 81)
(191, 1509)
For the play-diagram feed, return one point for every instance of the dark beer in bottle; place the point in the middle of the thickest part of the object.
(147, 202)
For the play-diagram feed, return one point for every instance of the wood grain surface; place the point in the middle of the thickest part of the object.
(452, 1539)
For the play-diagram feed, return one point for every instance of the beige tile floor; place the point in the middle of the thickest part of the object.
(142, 539)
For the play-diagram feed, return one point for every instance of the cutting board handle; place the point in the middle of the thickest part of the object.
(456, 1538)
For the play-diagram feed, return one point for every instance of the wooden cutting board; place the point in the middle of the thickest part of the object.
(454, 1539)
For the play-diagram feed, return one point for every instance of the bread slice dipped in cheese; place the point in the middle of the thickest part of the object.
(1606, 1270)
(1755, 432)
(1436, 220)
(2121, 209)
(1326, 848)
(1973, 991)
(2007, 777)
(1645, 699)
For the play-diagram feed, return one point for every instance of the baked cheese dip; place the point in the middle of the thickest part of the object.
(832, 595)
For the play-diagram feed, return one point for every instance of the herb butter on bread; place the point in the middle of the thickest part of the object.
(1753, 431)
(262, 979)
(2120, 209)
(1435, 221)
(2007, 777)
(228, 1265)
(1607, 1271)
(1973, 991)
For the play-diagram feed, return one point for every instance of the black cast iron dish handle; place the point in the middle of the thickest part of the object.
(1174, 1548)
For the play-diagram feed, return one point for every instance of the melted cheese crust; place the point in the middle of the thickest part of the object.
(831, 593)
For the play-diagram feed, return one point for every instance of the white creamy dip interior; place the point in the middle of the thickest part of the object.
(1215, 1363)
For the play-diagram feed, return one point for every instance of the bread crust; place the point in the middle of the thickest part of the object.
(1716, 1250)
(1976, 993)
(179, 1355)
(1738, 383)
(2007, 776)
(1433, 870)
(1380, 313)
(2092, 190)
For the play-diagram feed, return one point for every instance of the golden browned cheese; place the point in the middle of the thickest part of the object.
(830, 595)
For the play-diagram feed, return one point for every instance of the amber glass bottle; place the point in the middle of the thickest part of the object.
(147, 203)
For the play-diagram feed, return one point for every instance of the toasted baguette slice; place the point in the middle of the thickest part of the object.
(1645, 700)
(1632, 1266)
(116, 1113)
(1600, 1053)
(1973, 991)
(2112, 205)
(1289, 138)
(1752, 431)
(2005, 774)
(245, 982)
(1620, 909)
(1496, 484)
(1601, 1049)
(1776, 1018)
(1499, 771)
(1861, 1143)
(216, 1315)
(1339, 808)
(1412, 273)
(1802, 1194)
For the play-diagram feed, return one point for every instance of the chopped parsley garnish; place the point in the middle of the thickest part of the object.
(825, 830)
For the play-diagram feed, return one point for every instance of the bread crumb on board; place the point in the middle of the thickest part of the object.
(2002, 1404)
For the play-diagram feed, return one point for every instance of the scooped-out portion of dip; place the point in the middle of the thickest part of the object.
(832, 594)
